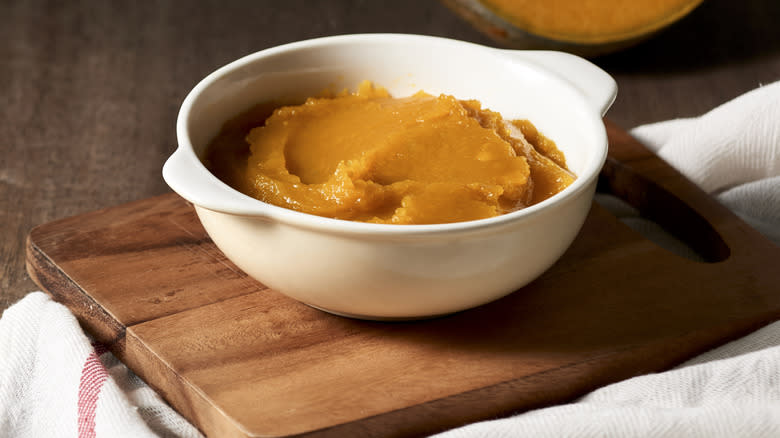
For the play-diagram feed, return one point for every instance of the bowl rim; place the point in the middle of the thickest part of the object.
(263, 210)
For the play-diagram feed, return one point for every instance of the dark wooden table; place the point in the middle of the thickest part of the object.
(89, 91)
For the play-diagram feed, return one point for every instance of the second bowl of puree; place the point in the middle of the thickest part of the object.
(441, 187)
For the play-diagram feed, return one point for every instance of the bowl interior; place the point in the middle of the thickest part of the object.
(403, 65)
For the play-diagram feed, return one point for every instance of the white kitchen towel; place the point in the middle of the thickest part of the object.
(55, 382)
(732, 152)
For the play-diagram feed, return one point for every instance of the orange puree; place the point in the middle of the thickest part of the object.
(591, 21)
(417, 160)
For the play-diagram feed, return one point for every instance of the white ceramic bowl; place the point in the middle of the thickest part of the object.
(377, 271)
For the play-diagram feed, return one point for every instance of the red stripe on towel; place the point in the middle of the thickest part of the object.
(92, 377)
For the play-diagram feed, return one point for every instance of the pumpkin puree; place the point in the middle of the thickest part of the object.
(366, 156)
(591, 21)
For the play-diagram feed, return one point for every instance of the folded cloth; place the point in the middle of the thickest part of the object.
(55, 382)
(732, 152)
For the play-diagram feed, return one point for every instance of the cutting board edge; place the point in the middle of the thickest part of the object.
(107, 330)
(183, 396)
(54, 281)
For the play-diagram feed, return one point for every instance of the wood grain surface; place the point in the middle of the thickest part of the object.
(241, 360)
(89, 91)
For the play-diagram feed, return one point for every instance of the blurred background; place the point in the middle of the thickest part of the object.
(89, 91)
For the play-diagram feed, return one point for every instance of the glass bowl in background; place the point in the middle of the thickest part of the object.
(583, 27)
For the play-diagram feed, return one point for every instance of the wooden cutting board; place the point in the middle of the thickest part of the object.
(238, 359)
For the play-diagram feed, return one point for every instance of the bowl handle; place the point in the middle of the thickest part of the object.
(181, 172)
(599, 88)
